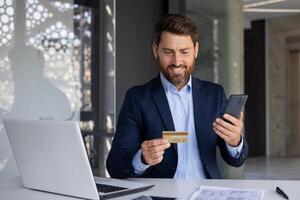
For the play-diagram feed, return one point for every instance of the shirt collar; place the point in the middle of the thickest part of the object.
(168, 85)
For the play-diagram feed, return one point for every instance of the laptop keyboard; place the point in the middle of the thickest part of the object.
(108, 188)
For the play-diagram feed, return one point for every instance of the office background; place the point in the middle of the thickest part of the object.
(74, 60)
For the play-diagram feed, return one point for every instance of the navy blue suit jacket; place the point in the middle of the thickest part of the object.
(145, 114)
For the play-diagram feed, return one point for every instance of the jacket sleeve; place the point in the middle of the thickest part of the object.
(236, 162)
(126, 141)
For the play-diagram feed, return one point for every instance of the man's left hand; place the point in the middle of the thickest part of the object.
(230, 131)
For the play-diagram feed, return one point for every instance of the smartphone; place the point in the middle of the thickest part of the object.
(154, 198)
(235, 104)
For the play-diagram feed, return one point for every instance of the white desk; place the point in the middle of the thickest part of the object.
(13, 190)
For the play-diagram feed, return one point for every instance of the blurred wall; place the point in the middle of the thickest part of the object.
(135, 64)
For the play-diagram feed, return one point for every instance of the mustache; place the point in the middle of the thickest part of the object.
(177, 66)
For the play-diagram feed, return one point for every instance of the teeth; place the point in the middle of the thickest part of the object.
(177, 69)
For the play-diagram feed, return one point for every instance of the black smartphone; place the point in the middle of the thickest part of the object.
(235, 104)
(154, 198)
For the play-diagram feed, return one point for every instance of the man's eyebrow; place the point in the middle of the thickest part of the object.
(184, 49)
(167, 49)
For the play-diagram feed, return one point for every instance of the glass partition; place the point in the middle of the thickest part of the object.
(220, 57)
(50, 68)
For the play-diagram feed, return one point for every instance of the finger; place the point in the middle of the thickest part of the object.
(236, 125)
(152, 160)
(232, 141)
(156, 155)
(153, 152)
(223, 130)
(160, 148)
(156, 142)
(229, 140)
(241, 116)
(223, 136)
(155, 146)
(226, 128)
(224, 124)
(233, 120)
(156, 161)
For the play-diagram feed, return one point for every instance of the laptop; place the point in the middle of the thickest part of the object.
(51, 157)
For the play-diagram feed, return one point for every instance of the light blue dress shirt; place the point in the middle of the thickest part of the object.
(189, 164)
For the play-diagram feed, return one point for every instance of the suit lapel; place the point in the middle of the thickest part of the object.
(162, 104)
(163, 108)
(199, 110)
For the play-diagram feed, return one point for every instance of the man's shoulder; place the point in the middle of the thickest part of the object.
(206, 85)
(146, 88)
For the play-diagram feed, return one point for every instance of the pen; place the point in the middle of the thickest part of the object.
(281, 193)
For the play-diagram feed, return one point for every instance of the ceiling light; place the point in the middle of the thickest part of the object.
(272, 10)
(250, 5)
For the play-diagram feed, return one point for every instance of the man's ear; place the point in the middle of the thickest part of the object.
(196, 49)
(155, 49)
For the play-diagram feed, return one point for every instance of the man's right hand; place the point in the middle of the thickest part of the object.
(153, 150)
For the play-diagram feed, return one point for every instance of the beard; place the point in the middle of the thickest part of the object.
(177, 75)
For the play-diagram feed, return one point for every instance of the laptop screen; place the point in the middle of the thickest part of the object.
(51, 157)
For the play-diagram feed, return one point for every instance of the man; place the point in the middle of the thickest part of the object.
(175, 101)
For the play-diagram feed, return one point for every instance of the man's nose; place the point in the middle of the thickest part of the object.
(177, 60)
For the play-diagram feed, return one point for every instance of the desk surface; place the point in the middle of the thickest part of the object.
(13, 189)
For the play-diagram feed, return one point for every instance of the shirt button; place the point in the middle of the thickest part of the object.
(181, 116)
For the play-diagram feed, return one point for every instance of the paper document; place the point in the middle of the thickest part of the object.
(224, 193)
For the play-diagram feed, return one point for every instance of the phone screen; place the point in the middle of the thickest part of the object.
(235, 104)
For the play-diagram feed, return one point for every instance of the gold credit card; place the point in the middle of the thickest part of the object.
(175, 136)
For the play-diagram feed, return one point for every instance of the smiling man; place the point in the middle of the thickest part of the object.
(176, 102)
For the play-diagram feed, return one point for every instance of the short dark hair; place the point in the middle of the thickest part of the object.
(177, 24)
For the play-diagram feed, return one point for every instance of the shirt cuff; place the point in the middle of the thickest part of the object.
(235, 151)
(138, 165)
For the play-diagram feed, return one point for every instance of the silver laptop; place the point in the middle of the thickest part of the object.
(51, 157)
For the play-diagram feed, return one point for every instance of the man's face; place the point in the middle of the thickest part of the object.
(176, 55)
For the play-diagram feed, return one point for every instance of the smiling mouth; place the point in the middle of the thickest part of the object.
(176, 68)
